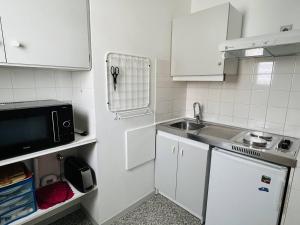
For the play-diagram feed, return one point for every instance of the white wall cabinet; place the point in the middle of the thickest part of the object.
(181, 171)
(2, 52)
(46, 33)
(195, 41)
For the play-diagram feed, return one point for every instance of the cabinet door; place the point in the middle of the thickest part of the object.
(50, 33)
(192, 176)
(195, 41)
(166, 164)
(2, 51)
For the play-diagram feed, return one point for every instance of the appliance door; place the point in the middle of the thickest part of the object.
(244, 191)
(26, 130)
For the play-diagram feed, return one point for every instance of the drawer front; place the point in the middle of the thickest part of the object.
(17, 213)
(18, 189)
(16, 202)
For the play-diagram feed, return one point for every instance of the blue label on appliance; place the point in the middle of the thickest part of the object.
(263, 189)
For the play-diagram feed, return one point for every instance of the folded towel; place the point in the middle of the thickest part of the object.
(53, 194)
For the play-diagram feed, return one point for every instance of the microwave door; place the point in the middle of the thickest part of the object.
(24, 131)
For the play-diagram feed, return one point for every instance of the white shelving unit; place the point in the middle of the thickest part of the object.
(79, 141)
(43, 213)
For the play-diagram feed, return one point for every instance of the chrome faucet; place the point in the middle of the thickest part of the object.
(198, 116)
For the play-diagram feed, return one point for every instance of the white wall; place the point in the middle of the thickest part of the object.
(260, 16)
(139, 27)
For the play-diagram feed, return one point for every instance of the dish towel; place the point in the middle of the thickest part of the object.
(53, 194)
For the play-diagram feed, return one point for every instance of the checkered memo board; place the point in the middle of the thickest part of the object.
(133, 83)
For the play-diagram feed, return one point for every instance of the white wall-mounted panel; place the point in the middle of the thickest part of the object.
(140, 146)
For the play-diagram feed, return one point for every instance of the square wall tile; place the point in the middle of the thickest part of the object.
(263, 66)
(227, 95)
(44, 79)
(290, 130)
(297, 64)
(258, 113)
(279, 98)
(23, 78)
(274, 128)
(284, 65)
(5, 78)
(245, 82)
(246, 66)
(45, 93)
(6, 95)
(296, 82)
(256, 125)
(226, 109)
(281, 82)
(213, 107)
(293, 117)
(64, 94)
(242, 97)
(63, 79)
(228, 120)
(240, 122)
(241, 111)
(260, 97)
(24, 94)
(294, 101)
(262, 81)
(276, 115)
(214, 94)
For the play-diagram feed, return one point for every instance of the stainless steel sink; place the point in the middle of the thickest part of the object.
(187, 125)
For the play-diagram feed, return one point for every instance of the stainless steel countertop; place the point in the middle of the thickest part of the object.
(223, 136)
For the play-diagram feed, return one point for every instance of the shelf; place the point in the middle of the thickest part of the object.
(79, 141)
(43, 213)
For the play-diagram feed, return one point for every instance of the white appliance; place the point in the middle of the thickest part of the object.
(278, 44)
(244, 191)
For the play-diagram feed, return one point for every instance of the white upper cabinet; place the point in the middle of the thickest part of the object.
(46, 33)
(195, 42)
(2, 51)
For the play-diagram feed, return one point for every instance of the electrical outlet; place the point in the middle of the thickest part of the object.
(286, 28)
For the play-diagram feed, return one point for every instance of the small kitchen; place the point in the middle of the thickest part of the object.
(149, 112)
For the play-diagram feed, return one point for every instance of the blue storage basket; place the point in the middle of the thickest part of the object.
(17, 201)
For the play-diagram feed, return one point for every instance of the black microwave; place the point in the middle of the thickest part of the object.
(27, 127)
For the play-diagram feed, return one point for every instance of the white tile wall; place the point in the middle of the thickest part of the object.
(170, 96)
(25, 84)
(265, 96)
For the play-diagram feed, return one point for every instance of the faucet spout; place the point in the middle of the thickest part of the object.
(198, 116)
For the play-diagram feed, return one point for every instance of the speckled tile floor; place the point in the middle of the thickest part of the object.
(156, 211)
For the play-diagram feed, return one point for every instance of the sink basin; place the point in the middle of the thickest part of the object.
(187, 125)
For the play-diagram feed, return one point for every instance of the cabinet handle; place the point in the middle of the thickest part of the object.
(173, 150)
(15, 44)
(181, 152)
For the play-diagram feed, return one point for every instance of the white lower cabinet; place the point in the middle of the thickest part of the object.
(166, 164)
(181, 171)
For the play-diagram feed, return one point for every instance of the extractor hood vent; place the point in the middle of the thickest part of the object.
(272, 45)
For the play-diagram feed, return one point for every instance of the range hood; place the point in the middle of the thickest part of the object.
(271, 45)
